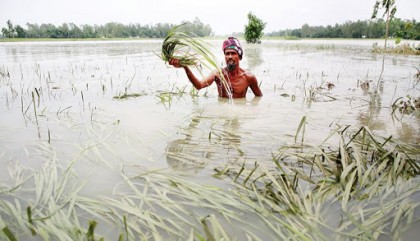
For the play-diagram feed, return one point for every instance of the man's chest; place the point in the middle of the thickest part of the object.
(238, 84)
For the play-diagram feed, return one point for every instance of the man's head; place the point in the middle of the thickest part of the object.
(233, 43)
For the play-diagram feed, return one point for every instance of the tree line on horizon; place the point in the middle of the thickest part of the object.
(109, 30)
(398, 28)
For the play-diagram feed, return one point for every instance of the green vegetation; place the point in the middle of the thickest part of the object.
(128, 95)
(404, 49)
(254, 29)
(179, 45)
(398, 28)
(407, 105)
(9, 32)
(109, 30)
(360, 169)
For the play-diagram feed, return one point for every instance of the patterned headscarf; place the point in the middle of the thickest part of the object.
(233, 43)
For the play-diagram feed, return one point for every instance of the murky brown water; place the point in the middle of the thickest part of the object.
(74, 85)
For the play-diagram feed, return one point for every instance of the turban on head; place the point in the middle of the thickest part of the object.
(233, 43)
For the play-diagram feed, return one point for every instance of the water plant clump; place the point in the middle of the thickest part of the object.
(401, 49)
(361, 170)
(407, 105)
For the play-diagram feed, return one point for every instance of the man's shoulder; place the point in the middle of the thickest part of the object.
(247, 73)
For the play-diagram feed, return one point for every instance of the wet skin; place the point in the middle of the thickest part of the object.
(238, 79)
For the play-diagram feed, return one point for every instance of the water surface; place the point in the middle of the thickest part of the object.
(58, 102)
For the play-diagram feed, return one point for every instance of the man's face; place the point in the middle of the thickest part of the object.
(231, 58)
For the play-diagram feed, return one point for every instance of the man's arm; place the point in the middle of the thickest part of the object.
(198, 84)
(253, 84)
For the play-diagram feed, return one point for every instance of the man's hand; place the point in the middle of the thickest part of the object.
(175, 63)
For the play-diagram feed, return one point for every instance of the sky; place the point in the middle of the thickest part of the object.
(223, 16)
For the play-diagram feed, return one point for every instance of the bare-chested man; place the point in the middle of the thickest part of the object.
(238, 79)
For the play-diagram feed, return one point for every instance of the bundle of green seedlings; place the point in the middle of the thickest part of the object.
(191, 50)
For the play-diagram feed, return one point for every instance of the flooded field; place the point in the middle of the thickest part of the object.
(102, 139)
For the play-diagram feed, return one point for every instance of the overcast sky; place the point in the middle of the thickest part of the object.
(223, 16)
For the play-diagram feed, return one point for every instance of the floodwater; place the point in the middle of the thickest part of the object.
(58, 101)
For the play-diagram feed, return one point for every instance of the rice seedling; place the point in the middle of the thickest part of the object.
(9, 234)
(33, 102)
(417, 74)
(128, 95)
(166, 99)
(301, 128)
(29, 213)
(4, 72)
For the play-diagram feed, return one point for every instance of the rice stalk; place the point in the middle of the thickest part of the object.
(145, 217)
(360, 227)
(29, 213)
(212, 228)
(33, 101)
(380, 217)
(90, 235)
(9, 234)
(295, 229)
(349, 185)
(125, 228)
(300, 128)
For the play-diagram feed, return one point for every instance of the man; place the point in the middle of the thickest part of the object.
(238, 79)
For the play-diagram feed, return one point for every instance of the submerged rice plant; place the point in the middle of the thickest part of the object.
(407, 105)
(353, 177)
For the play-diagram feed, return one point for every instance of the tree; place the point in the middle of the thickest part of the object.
(254, 29)
(305, 31)
(4, 32)
(88, 31)
(21, 33)
(8, 32)
(33, 31)
(196, 27)
(389, 10)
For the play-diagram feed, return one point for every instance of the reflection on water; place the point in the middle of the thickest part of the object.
(214, 137)
(253, 56)
(189, 153)
(408, 132)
